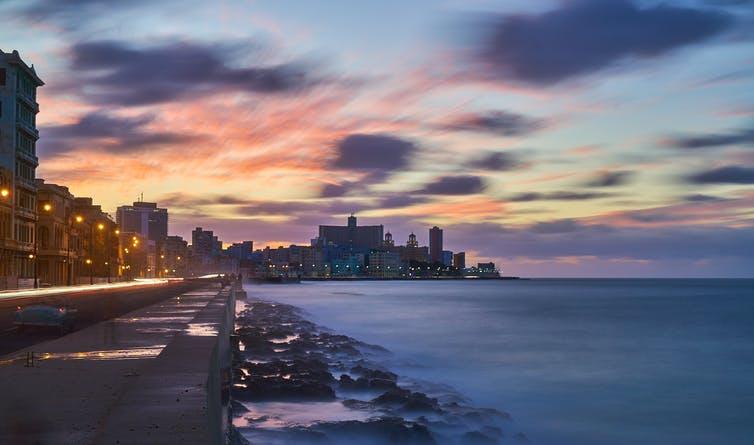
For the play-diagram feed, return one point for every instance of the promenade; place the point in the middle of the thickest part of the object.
(158, 374)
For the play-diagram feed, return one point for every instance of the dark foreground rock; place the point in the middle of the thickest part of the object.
(282, 357)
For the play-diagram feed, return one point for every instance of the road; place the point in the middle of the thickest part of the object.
(94, 304)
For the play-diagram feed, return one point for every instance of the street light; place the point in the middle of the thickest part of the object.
(4, 193)
(91, 277)
(47, 207)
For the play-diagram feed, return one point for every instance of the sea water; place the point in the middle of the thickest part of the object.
(573, 361)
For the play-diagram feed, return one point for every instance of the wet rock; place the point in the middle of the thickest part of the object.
(373, 373)
(276, 388)
(407, 401)
(477, 438)
(363, 383)
(381, 430)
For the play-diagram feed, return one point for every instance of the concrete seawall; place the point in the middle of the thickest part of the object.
(160, 374)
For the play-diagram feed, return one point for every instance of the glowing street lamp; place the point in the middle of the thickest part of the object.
(4, 193)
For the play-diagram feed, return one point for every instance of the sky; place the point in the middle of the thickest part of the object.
(574, 138)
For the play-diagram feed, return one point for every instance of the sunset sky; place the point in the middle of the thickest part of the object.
(556, 138)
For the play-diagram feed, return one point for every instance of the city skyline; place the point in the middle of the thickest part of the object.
(262, 121)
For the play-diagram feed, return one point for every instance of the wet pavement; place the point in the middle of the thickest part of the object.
(139, 378)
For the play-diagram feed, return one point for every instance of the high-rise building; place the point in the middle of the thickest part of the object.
(151, 223)
(18, 163)
(459, 260)
(352, 236)
(175, 253)
(144, 218)
(447, 258)
(435, 245)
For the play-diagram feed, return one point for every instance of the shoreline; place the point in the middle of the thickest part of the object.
(297, 382)
(294, 280)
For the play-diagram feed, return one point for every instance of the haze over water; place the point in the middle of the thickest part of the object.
(573, 361)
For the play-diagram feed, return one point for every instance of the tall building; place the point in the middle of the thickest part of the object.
(459, 260)
(144, 218)
(447, 258)
(151, 223)
(242, 250)
(435, 245)
(174, 256)
(352, 235)
(18, 163)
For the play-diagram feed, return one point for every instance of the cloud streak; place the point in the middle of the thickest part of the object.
(116, 73)
(582, 37)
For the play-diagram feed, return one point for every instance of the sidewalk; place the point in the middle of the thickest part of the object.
(151, 376)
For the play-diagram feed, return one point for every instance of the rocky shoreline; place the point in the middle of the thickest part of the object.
(300, 372)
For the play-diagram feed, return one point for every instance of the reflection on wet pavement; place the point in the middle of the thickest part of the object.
(202, 329)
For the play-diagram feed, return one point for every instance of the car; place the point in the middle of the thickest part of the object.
(42, 315)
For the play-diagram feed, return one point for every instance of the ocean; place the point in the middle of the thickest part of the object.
(574, 361)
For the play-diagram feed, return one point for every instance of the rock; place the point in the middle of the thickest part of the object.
(477, 438)
(373, 373)
(408, 401)
(381, 430)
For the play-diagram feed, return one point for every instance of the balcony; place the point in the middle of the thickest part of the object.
(28, 184)
(30, 101)
(26, 156)
(26, 213)
(28, 129)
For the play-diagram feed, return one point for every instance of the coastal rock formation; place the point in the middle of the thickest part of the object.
(284, 359)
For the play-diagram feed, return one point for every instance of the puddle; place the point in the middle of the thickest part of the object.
(202, 329)
(284, 414)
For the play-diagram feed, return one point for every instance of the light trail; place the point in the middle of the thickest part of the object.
(30, 293)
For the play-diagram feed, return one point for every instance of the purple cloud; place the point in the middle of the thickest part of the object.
(584, 36)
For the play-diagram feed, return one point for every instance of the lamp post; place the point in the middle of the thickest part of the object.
(47, 207)
(78, 219)
(91, 276)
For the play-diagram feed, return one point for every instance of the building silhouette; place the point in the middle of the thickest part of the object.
(352, 235)
(18, 163)
(435, 245)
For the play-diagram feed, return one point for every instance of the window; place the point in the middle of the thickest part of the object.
(24, 233)
(25, 143)
(24, 170)
(2, 77)
(25, 115)
(25, 200)
(44, 237)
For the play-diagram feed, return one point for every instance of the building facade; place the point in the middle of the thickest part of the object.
(98, 250)
(18, 163)
(151, 223)
(459, 260)
(435, 245)
(352, 235)
(175, 256)
(57, 238)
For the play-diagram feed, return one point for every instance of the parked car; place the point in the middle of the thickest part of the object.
(41, 315)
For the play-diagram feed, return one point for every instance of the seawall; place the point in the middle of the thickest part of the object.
(159, 374)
